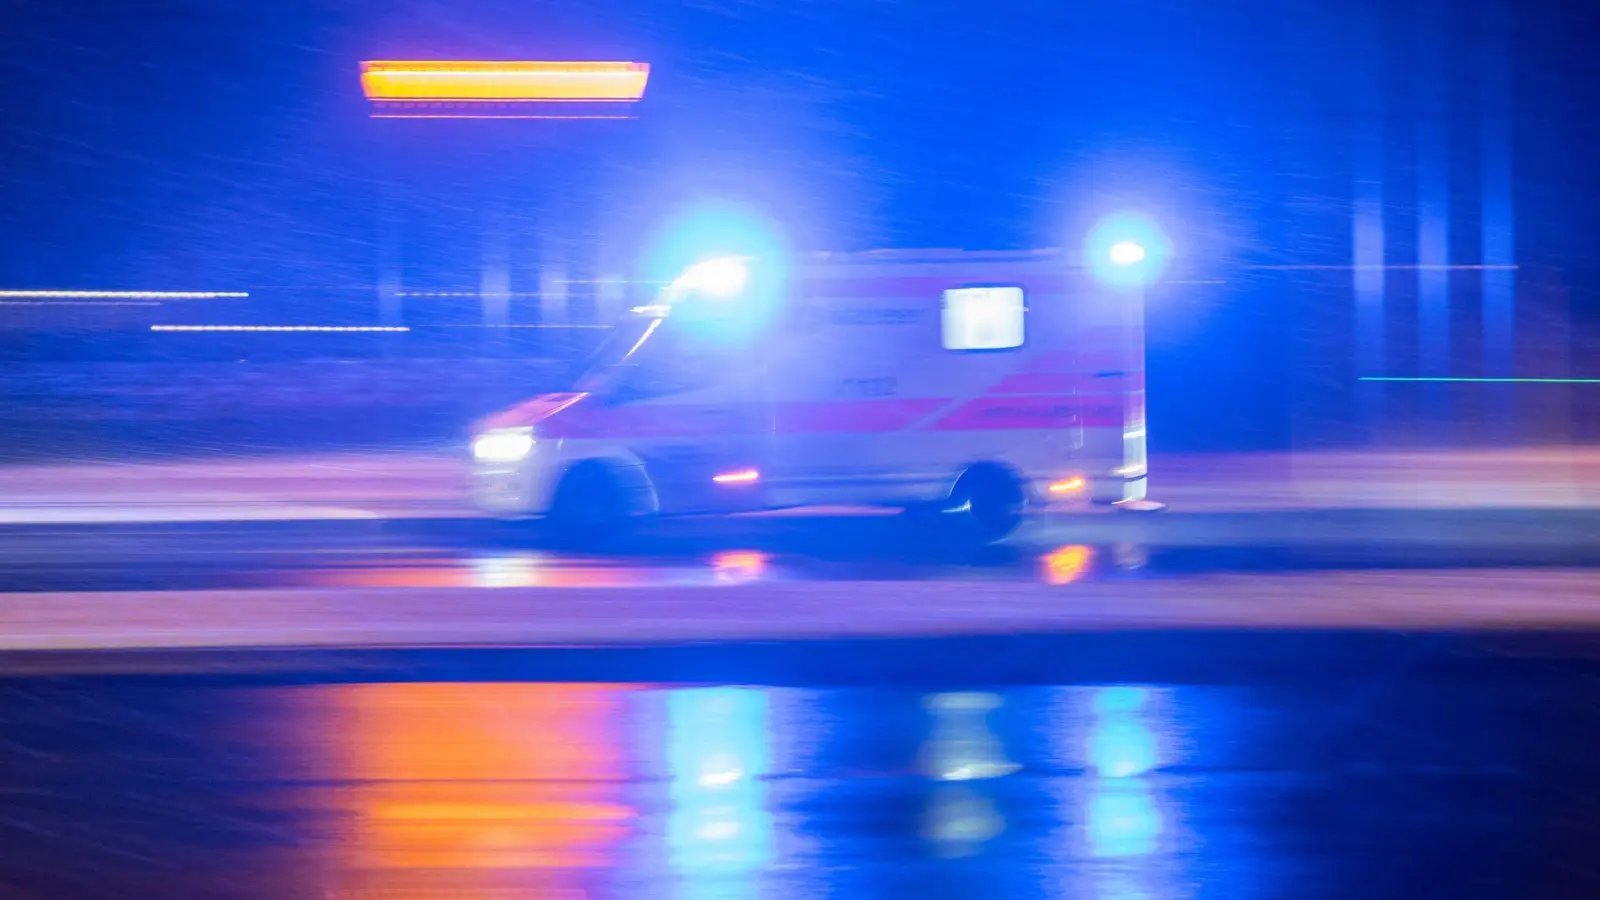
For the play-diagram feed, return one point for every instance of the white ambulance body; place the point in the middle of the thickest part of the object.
(975, 384)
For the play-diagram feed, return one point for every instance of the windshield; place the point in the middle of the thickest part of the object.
(650, 357)
(602, 371)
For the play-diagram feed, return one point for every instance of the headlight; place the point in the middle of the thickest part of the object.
(503, 445)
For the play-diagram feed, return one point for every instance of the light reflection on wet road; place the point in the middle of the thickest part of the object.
(1053, 735)
(1383, 786)
(417, 554)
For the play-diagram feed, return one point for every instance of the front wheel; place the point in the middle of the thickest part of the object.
(590, 507)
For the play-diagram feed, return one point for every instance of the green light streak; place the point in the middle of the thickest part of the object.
(1485, 380)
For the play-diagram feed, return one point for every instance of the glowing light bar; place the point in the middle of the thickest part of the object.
(424, 111)
(488, 81)
(343, 328)
(742, 476)
(122, 295)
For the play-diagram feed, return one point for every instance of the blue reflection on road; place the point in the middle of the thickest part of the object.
(1122, 816)
(719, 830)
(1123, 821)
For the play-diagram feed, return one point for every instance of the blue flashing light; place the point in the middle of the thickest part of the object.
(1127, 250)
(721, 277)
(709, 242)
(1126, 253)
(724, 269)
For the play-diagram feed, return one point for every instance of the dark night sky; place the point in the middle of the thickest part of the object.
(179, 142)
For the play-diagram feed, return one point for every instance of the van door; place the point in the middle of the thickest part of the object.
(693, 415)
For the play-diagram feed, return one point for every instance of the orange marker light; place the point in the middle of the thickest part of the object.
(1067, 486)
(742, 476)
(488, 81)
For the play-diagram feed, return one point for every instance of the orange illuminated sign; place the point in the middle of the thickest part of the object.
(501, 82)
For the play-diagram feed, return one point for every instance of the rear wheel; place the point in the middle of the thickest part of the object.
(590, 507)
(985, 506)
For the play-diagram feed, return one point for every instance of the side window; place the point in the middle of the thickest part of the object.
(983, 318)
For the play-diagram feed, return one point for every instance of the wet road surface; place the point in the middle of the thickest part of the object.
(480, 553)
(432, 483)
(452, 776)
(419, 582)
(1252, 701)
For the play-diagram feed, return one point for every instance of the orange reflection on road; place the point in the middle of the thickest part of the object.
(1065, 565)
(485, 826)
(445, 776)
(525, 570)
(735, 566)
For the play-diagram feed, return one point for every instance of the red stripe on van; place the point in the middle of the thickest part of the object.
(992, 413)
(1066, 383)
(1044, 412)
(853, 416)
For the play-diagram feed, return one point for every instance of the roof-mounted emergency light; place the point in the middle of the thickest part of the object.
(1127, 253)
(1127, 250)
(722, 277)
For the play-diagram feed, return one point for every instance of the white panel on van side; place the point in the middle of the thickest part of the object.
(983, 318)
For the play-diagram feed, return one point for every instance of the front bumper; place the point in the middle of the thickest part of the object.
(502, 489)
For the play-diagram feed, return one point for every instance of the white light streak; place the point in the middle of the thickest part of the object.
(336, 328)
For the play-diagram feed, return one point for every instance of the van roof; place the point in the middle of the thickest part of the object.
(940, 254)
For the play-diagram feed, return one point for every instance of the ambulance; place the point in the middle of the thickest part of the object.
(965, 387)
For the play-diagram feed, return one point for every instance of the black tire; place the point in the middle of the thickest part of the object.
(590, 507)
(984, 507)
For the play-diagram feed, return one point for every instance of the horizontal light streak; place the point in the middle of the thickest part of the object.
(484, 80)
(336, 328)
(425, 115)
(1403, 268)
(79, 303)
(473, 294)
(122, 295)
(511, 325)
(1484, 380)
